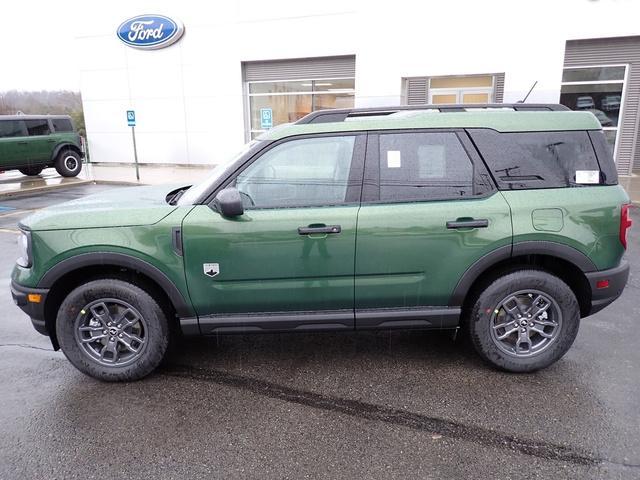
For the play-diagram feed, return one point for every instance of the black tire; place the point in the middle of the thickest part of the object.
(68, 163)
(78, 309)
(31, 171)
(489, 311)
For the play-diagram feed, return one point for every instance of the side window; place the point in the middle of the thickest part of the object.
(298, 173)
(537, 159)
(62, 125)
(424, 166)
(12, 128)
(37, 127)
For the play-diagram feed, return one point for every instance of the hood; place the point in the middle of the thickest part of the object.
(121, 207)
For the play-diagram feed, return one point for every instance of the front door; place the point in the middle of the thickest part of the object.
(431, 214)
(13, 143)
(288, 261)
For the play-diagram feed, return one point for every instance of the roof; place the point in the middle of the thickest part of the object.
(31, 117)
(495, 119)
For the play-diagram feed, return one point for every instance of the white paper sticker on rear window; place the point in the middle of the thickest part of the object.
(587, 176)
(393, 159)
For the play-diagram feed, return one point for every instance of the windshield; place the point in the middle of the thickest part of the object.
(196, 191)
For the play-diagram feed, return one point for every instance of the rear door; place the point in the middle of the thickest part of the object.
(429, 211)
(39, 143)
(290, 256)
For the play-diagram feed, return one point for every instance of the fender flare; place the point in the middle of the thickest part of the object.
(535, 247)
(62, 146)
(183, 309)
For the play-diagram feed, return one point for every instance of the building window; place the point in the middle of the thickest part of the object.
(290, 100)
(486, 88)
(471, 89)
(599, 90)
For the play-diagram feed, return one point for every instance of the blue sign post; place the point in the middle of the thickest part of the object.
(131, 122)
(266, 118)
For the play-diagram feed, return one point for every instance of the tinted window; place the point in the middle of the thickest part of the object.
(536, 159)
(37, 127)
(312, 171)
(62, 125)
(12, 128)
(424, 166)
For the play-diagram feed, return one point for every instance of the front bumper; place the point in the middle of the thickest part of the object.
(617, 278)
(35, 310)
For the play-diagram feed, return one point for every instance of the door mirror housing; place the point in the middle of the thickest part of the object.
(229, 202)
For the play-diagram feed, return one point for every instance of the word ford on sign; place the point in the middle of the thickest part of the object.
(150, 31)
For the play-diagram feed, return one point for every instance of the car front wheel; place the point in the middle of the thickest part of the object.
(112, 330)
(524, 321)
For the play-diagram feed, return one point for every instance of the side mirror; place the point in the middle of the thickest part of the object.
(229, 202)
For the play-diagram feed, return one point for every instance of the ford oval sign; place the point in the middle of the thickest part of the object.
(150, 31)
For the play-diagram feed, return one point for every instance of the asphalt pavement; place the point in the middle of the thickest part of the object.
(348, 405)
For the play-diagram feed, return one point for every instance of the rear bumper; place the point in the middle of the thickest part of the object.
(617, 278)
(35, 311)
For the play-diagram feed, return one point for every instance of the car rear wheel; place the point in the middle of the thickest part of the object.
(524, 321)
(68, 163)
(112, 330)
(31, 171)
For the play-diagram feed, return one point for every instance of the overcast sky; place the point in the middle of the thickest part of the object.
(38, 47)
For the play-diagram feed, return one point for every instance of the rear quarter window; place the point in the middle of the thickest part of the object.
(525, 160)
(62, 125)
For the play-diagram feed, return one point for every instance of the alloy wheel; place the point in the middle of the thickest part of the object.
(111, 332)
(525, 323)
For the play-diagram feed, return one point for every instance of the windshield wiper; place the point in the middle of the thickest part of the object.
(176, 196)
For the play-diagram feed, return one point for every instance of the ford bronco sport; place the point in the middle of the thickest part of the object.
(506, 221)
(31, 143)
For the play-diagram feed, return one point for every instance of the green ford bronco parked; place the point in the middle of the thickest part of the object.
(31, 143)
(505, 221)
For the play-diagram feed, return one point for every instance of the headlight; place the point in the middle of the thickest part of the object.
(24, 243)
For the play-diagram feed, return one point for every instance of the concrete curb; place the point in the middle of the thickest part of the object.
(47, 188)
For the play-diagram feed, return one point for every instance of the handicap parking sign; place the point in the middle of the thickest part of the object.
(266, 118)
(131, 118)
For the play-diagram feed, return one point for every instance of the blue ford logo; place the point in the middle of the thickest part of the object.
(150, 31)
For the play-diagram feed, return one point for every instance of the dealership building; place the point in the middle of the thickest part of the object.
(231, 71)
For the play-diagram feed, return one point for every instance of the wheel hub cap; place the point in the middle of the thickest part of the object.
(111, 332)
(525, 323)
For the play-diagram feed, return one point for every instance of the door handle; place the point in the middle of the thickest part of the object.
(319, 229)
(22, 143)
(468, 223)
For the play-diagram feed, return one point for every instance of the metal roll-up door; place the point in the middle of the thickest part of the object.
(300, 68)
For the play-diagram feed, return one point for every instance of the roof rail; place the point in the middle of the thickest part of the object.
(341, 114)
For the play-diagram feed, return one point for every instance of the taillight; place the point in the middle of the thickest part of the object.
(625, 223)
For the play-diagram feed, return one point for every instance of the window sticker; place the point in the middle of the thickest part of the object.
(587, 176)
(393, 159)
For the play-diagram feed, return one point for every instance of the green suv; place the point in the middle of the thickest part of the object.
(505, 221)
(31, 143)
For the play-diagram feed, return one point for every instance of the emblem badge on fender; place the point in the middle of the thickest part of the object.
(211, 269)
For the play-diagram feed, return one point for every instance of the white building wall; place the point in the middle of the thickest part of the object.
(189, 97)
